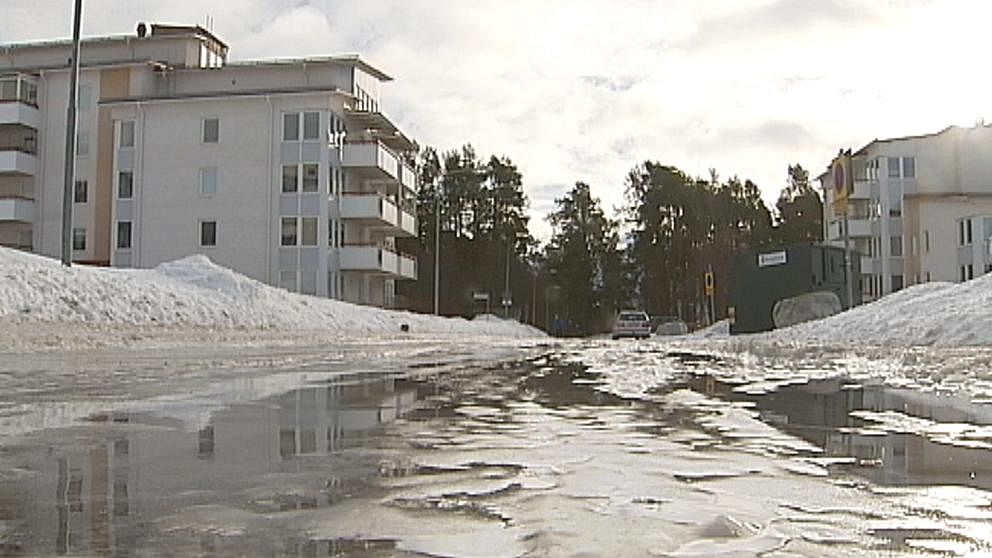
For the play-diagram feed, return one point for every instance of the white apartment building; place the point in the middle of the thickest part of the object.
(284, 170)
(921, 209)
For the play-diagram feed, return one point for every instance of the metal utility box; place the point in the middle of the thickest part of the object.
(760, 279)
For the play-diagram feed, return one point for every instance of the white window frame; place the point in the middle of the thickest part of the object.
(84, 189)
(303, 128)
(206, 172)
(296, 231)
(120, 175)
(282, 179)
(76, 236)
(203, 129)
(288, 117)
(127, 134)
(199, 231)
(130, 235)
(302, 178)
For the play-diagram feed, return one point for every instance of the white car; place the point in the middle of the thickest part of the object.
(632, 323)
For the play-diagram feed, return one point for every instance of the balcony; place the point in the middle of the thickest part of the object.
(16, 209)
(19, 100)
(18, 113)
(408, 177)
(862, 190)
(17, 160)
(378, 212)
(859, 227)
(370, 159)
(379, 260)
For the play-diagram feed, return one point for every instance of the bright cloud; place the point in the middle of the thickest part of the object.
(586, 90)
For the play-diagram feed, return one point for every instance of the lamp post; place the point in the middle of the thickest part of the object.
(437, 253)
(70, 139)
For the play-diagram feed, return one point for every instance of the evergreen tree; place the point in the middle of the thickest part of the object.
(583, 253)
(800, 210)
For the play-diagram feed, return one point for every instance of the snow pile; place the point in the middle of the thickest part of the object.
(717, 329)
(196, 292)
(944, 314)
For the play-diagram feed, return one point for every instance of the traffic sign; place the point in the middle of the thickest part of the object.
(708, 285)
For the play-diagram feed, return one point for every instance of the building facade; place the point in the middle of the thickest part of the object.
(920, 209)
(284, 170)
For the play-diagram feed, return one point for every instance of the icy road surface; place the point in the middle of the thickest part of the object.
(475, 447)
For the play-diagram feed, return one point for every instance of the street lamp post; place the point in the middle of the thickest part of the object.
(437, 253)
(70, 139)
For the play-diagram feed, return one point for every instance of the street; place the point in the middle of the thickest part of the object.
(416, 447)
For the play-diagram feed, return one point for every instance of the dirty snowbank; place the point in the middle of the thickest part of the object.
(939, 314)
(196, 292)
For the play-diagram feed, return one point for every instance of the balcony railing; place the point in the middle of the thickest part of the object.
(16, 208)
(377, 211)
(408, 177)
(378, 259)
(15, 160)
(18, 88)
(370, 158)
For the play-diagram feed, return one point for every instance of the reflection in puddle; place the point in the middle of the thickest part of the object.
(94, 496)
(831, 415)
(520, 458)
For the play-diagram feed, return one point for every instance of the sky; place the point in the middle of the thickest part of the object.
(585, 90)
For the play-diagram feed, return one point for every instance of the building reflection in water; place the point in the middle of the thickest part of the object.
(819, 412)
(98, 498)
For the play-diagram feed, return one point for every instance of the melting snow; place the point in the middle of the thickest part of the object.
(194, 291)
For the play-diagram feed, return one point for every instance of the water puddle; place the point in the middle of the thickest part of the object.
(526, 457)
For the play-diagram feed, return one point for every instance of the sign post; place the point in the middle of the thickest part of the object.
(709, 288)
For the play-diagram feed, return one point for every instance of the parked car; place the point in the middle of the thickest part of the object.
(632, 323)
(669, 325)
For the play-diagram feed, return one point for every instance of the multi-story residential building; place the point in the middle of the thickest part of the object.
(920, 210)
(284, 170)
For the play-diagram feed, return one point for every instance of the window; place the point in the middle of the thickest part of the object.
(895, 246)
(79, 239)
(127, 133)
(909, 167)
(291, 126)
(309, 232)
(964, 232)
(82, 143)
(211, 130)
(80, 191)
(971, 272)
(310, 177)
(123, 235)
(125, 185)
(926, 243)
(290, 178)
(288, 231)
(311, 125)
(893, 167)
(208, 233)
(208, 181)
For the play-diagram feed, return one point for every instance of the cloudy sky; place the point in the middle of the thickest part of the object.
(586, 89)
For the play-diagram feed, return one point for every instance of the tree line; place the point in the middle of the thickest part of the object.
(671, 229)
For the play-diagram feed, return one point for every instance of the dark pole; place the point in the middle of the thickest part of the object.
(437, 253)
(70, 139)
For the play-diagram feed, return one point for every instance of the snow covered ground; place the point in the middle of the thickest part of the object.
(939, 314)
(43, 304)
